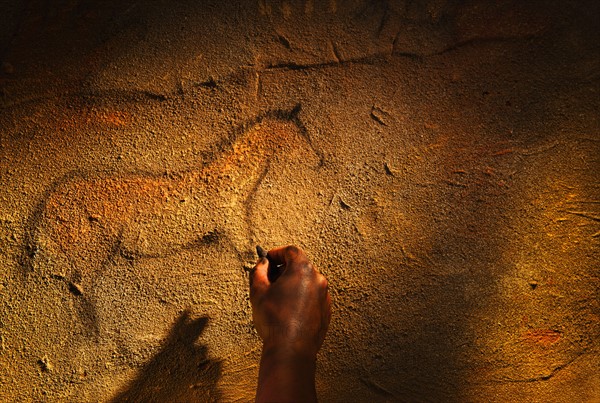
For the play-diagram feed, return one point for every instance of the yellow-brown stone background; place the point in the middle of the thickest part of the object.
(439, 161)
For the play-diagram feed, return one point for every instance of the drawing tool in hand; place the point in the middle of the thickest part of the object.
(275, 269)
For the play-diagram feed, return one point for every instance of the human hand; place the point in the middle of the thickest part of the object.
(291, 309)
(290, 301)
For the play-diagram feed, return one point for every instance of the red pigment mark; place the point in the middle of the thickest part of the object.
(86, 118)
(542, 337)
(503, 152)
(489, 171)
(113, 118)
(431, 126)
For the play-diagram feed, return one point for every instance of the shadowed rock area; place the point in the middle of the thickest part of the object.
(438, 161)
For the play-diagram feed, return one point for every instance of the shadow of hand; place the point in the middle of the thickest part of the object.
(180, 372)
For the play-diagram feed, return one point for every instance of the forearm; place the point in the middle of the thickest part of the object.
(291, 314)
(286, 375)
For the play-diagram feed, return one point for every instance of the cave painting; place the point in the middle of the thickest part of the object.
(86, 219)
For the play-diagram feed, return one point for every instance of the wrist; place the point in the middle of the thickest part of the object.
(287, 373)
(292, 338)
(289, 352)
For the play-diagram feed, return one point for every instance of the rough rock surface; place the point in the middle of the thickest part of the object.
(438, 160)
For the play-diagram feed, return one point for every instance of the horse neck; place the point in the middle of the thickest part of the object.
(235, 175)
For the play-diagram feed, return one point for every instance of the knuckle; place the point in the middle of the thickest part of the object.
(293, 250)
(322, 281)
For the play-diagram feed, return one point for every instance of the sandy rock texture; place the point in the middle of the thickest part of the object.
(439, 161)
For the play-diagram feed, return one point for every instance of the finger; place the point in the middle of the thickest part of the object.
(325, 318)
(285, 254)
(326, 304)
(259, 282)
(288, 257)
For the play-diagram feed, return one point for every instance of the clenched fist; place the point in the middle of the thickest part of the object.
(291, 309)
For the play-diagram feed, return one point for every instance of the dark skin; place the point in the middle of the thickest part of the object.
(291, 314)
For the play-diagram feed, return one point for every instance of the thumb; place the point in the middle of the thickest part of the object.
(259, 282)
